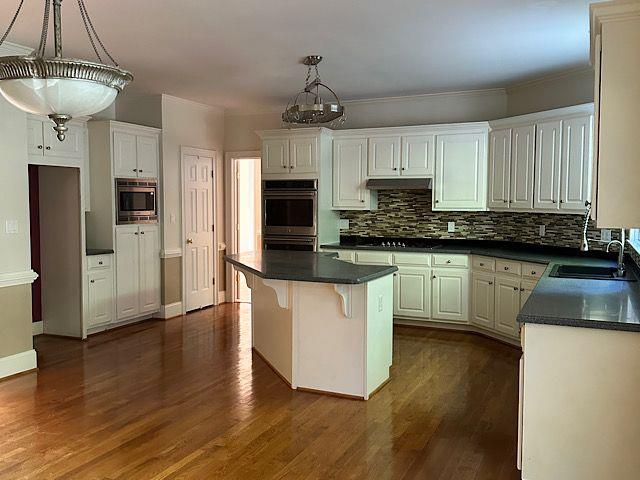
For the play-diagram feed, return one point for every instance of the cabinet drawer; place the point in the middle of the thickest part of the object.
(533, 270)
(412, 259)
(508, 267)
(447, 260)
(484, 263)
(95, 262)
(374, 258)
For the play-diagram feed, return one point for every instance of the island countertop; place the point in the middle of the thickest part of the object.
(307, 267)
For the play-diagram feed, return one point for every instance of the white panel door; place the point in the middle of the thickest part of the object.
(507, 305)
(499, 168)
(412, 292)
(127, 271)
(35, 138)
(483, 300)
(147, 153)
(522, 163)
(461, 172)
(418, 152)
(547, 165)
(526, 289)
(303, 155)
(384, 156)
(198, 229)
(71, 147)
(125, 157)
(450, 287)
(275, 156)
(100, 297)
(575, 178)
(149, 268)
(349, 174)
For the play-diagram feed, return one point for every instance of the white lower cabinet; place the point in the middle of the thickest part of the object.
(483, 300)
(450, 295)
(507, 305)
(100, 295)
(412, 292)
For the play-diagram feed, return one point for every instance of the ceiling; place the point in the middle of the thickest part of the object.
(244, 54)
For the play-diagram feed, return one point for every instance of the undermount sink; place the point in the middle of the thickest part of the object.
(589, 273)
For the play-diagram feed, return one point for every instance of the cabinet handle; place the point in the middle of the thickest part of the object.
(522, 289)
(48, 147)
(141, 233)
(135, 233)
(506, 268)
(490, 283)
(99, 263)
(506, 201)
(561, 201)
(135, 169)
(448, 261)
(39, 147)
(92, 281)
(516, 289)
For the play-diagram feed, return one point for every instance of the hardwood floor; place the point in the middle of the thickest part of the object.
(186, 398)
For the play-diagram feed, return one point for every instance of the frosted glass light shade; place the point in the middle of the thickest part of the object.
(48, 96)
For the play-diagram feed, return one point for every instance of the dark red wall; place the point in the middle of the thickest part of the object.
(34, 214)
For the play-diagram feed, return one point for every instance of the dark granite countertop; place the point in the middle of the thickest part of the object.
(306, 267)
(98, 251)
(610, 305)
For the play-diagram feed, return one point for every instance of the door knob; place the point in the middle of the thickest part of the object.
(189, 241)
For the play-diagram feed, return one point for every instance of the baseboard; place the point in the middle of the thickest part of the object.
(18, 363)
(467, 328)
(169, 311)
(37, 328)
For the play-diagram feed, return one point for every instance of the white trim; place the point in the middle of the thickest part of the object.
(18, 363)
(169, 311)
(556, 113)
(37, 328)
(171, 253)
(12, 279)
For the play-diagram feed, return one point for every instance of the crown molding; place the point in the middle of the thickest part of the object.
(613, 11)
(552, 77)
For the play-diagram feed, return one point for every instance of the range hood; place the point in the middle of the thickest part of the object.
(399, 184)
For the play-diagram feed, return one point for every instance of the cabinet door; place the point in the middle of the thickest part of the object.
(525, 291)
(522, 162)
(507, 305)
(275, 156)
(35, 138)
(125, 162)
(412, 292)
(418, 152)
(499, 168)
(483, 300)
(71, 147)
(127, 271)
(450, 288)
(384, 156)
(349, 174)
(303, 155)
(575, 178)
(100, 293)
(149, 239)
(147, 154)
(461, 172)
(547, 165)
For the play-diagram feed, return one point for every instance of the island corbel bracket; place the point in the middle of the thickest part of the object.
(281, 287)
(345, 292)
(248, 277)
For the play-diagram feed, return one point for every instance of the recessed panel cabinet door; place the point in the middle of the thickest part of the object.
(127, 271)
(575, 178)
(412, 292)
(525, 292)
(149, 268)
(499, 168)
(100, 296)
(125, 163)
(547, 165)
(71, 147)
(147, 153)
(522, 163)
(349, 174)
(507, 305)
(450, 295)
(418, 152)
(303, 155)
(275, 156)
(35, 138)
(483, 300)
(384, 156)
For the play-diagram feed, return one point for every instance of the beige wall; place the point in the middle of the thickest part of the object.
(171, 278)
(569, 88)
(15, 305)
(141, 109)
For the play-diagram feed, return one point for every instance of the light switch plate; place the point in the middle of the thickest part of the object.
(451, 227)
(542, 230)
(344, 224)
(605, 234)
(11, 227)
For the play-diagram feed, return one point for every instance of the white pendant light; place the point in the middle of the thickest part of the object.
(61, 88)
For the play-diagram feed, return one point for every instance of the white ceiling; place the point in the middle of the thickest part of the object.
(244, 54)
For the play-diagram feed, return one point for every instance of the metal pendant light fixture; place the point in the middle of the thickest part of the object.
(309, 107)
(59, 87)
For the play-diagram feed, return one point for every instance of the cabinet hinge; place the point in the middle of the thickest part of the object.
(211, 173)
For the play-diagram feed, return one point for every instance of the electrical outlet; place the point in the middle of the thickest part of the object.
(451, 227)
(344, 224)
(11, 227)
(605, 234)
(542, 230)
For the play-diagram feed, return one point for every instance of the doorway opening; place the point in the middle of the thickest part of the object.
(245, 215)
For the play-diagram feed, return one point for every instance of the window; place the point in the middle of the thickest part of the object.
(634, 238)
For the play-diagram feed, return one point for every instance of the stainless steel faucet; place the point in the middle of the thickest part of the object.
(584, 246)
(620, 243)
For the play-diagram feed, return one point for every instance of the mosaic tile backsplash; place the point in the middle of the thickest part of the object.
(407, 213)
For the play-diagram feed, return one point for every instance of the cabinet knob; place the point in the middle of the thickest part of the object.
(553, 201)
(522, 289)
(490, 283)
(395, 168)
(135, 233)
(403, 168)
(140, 170)
(433, 277)
(448, 261)
(48, 147)
(361, 201)
(506, 268)
(437, 201)
(141, 233)
(39, 147)
(135, 169)
(481, 264)
(292, 167)
(561, 201)
(284, 166)
(516, 289)
(533, 272)
(92, 281)
(506, 201)
(99, 263)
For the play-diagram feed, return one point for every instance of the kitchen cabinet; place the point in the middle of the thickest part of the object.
(384, 156)
(147, 156)
(137, 270)
(303, 155)
(418, 152)
(349, 175)
(575, 175)
(406, 155)
(483, 300)
(461, 172)
(291, 155)
(135, 155)
(100, 292)
(522, 167)
(42, 140)
(450, 295)
(507, 305)
(499, 168)
(547, 165)
(412, 292)
(275, 155)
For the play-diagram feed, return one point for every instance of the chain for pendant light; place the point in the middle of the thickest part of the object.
(91, 33)
(13, 20)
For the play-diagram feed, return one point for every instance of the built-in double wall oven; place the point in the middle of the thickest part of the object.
(290, 214)
(136, 200)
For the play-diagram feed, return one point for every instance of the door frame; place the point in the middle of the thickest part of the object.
(213, 154)
(231, 210)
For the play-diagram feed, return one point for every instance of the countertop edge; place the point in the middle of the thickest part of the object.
(524, 319)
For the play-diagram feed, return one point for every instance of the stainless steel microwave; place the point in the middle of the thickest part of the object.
(136, 200)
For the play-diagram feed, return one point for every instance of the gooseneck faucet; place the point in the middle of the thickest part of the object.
(584, 246)
(621, 269)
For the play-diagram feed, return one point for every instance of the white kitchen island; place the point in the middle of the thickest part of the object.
(322, 324)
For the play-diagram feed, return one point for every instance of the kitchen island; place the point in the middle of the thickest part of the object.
(322, 324)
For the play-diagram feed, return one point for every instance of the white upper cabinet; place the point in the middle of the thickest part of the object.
(349, 174)
(418, 152)
(547, 165)
(147, 154)
(575, 177)
(275, 156)
(384, 156)
(303, 155)
(42, 140)
(125, 162)
(35, 136)
(461, 172)
(499, 168)
(522, 165)
(412, 292)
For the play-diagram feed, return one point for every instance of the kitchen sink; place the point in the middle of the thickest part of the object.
(588, 272)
